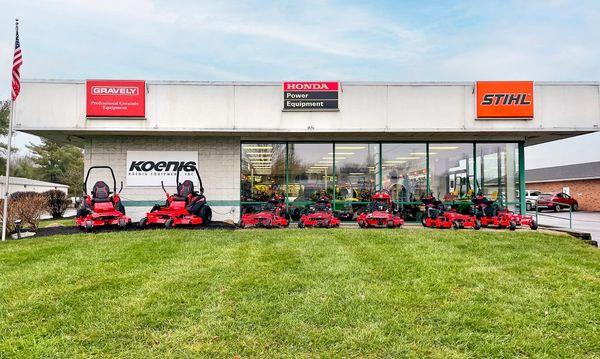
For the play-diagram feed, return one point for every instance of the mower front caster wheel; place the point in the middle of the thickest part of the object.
(143, 222)
(122, 224)
(512, 225)
(533, 225)
(169, 223)
(89, 226)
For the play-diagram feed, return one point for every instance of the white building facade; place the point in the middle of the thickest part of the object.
(347, 140)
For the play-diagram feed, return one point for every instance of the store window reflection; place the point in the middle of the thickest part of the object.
(262, 173)
(452, 172)
(497, 171)
(310, 176)
(404, 171)
(357, 175)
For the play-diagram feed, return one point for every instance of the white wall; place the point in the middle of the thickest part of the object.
(218, 165)
(239, 107)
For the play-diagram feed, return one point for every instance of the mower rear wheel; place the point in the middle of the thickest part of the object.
(424, 221)
(122, 224)
(512, 225)
(206, 214)
(241, 224)
(143, 222)
(169, 223)
(301, 224)
(533, 225)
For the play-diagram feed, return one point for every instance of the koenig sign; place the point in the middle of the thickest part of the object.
(310, 96)
(505, 99)
(115, 98)
(148, 168)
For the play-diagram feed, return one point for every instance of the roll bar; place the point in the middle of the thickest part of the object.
(112, 174)
(197, 174)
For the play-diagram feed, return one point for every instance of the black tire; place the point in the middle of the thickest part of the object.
(512, 225)
(556, 208)
(477, 225)
(455, 225)
(241, 224)
(424, 221)
(169, 223)
(89, 226)
(533, 225)
(206, 214)
(119, 207)
(122, 224)
(390, 224)
(528, 207)
(301, 224)
(361, 224)
(142, 223)
(575, 207)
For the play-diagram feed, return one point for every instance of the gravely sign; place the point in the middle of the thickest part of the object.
(115, 98)
(505, 99)
(310, 96)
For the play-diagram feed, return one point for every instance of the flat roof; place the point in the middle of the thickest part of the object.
(579, 171)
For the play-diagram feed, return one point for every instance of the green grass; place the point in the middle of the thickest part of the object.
(61, 221)
(293, 293)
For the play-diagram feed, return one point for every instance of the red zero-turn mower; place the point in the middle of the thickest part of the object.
(187, 207)
(319, 215)
(491, 214)
(436, 216)
(273, 214)
(380, 212)
(101, 207)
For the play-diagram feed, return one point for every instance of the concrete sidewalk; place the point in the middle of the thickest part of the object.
(582, 221)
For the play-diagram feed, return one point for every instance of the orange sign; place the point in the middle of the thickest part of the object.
(504, 99)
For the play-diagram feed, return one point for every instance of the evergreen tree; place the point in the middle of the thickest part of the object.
(59, 163)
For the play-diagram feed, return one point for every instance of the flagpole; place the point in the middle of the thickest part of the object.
(17, 61)
(7, 177)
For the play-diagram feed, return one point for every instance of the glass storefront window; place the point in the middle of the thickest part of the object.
(357, 175)
(262, 172)
(310, 175)
(498, 171)
(404, 172)
(451, 168)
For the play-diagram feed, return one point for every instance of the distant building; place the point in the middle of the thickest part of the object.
(581, 181)
(19, 184)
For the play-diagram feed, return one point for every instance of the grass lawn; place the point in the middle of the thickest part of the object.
(300, 293)
(61, 221)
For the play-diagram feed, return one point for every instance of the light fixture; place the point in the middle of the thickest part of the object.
(257, 147)
(259, 153)
(407, 158)
(423, 153)
(357, 173)
(393, 161)
(350, 147)
(443, 147)
(337, 158)
(341, 153)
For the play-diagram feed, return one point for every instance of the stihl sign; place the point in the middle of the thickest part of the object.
(115, 98)
(505, 99)
(310, 96)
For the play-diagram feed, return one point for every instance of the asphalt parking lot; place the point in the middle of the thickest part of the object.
(582, 221)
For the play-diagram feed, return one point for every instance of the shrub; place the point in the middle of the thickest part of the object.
(28, 207)
(58, 202)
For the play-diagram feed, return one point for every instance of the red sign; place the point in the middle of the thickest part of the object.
(504, 99)
(311, 86)
(115, 98)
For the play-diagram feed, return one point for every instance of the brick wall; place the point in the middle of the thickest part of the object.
(586, 192)
(219, 167)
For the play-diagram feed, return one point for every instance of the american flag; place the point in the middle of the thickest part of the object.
(16, 69)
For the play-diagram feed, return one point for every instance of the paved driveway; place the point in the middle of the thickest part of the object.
(582, 221)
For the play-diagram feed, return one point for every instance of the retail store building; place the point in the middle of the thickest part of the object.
(253, 139)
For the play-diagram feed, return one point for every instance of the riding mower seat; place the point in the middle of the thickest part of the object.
(100, 192)
(183, 190)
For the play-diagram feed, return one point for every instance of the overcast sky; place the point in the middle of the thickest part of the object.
(345, 40)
